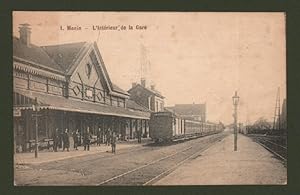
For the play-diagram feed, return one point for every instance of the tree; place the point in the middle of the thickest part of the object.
(261, 124)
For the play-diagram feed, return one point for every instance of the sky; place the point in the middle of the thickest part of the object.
(191, 57)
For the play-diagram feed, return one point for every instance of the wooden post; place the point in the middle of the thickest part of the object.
(94, 124)
(103, 130)
(146, 133)
(81, 129)
(27, 125)
(36, 137)
(136, 126)
(82, 91)
(141, 128)
(94, 94)
(16, 125)
(36, 128)
(46, 123)
(28, 81)
(130, 128)
(47, 85)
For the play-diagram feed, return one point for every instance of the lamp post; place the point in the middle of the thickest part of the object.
(36, 108)
(235, 100)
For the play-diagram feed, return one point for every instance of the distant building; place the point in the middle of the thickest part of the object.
(190, 111)
(148, 97)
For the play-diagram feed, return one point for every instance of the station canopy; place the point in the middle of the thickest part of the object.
(53, 102)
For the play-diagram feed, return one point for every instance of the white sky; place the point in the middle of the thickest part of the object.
(194, 57)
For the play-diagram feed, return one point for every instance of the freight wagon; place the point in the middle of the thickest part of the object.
(167, 126)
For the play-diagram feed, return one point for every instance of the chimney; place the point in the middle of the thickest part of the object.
(133, 84)
(153, 87)
(25, 32)
(143, 82)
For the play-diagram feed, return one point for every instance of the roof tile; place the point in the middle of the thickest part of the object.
(33, 53)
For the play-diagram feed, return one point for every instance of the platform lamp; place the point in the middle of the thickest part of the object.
(235, 100)
(36, 109)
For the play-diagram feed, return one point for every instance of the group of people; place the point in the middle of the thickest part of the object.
(109, 138)
(61, 139)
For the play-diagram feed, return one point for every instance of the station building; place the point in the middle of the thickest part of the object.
(73, 90)
(149, 98)
(190, 111)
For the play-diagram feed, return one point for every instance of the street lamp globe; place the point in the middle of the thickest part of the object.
(235, 99)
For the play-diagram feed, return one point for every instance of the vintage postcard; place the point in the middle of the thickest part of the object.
(149, 98)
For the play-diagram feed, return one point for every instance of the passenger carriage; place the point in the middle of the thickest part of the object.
(168, 126)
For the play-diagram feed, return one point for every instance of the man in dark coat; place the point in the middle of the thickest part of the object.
(76, 138)
(55, 138)
(60, 138)
(66, 141)
(87, 139)
(108, 137)
(99, 136)
(139, 134)
(113, 142)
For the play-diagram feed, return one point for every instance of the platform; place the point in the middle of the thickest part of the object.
(49, 156)
(220, 165)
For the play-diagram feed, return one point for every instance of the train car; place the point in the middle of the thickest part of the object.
(165, 126)
(193, 127)
(168, 126)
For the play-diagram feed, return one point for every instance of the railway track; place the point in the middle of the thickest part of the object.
(152, 171)
(275, 144)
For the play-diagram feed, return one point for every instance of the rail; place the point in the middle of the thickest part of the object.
(272, 144)
(149, 173)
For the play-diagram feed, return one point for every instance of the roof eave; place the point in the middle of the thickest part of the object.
(116, 93)
(39, 66)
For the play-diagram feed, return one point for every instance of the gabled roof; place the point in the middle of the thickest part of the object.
(65, 54)
(153, 92)
(189, 109)
(63, 58)
(34, 54)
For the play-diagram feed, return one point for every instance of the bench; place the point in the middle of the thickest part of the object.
(44, 143)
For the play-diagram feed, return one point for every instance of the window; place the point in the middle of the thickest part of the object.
(115, 101)
(88, 69)
(89, 93)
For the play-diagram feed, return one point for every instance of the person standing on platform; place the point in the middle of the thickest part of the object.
(139, 134)
(87, 139)
(55, 139)
(76, 139)
(99, 136)
(113, 142)
(60, 138)
(108, 137)
(66, 141)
